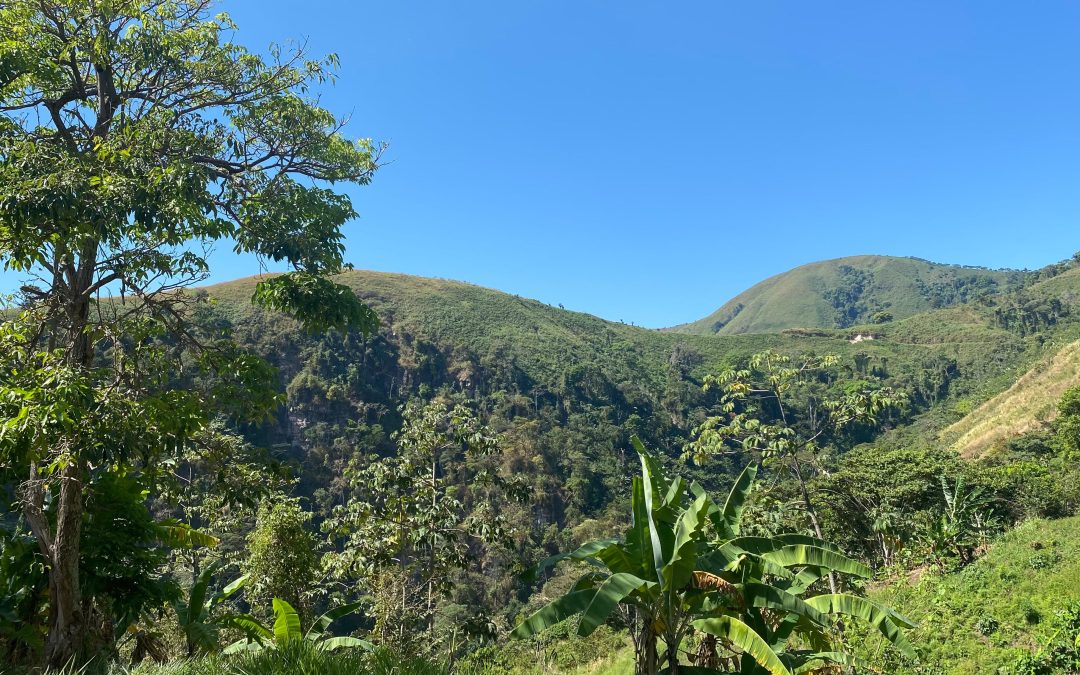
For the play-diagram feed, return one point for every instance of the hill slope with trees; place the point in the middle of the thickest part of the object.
(848, 291)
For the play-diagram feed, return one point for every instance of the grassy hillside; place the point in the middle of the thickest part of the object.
(847, 291)
(1025, 406)
(469, 323)
(981, 618)
(465, 320)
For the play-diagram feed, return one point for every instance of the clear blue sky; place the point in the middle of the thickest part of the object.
(645, 161)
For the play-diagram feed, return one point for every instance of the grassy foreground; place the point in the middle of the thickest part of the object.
(987, 617)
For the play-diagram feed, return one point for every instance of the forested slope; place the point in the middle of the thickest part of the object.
(848, 291)
(567, 390)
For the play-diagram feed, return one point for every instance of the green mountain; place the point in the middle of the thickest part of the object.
(848, 291)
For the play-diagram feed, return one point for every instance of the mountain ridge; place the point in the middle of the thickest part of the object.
(846, 291)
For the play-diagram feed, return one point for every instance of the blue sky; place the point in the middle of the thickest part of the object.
(645, 161)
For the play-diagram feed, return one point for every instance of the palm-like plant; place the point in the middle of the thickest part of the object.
(196, 613)
(286, 629)
(683, 568)
(967, 520)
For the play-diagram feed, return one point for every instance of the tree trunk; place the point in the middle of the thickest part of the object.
(810, 511)
(67, 626)
(67, 623)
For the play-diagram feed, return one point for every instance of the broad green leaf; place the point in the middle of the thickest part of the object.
(652, 493)
(742, 636)
(728, 521)
(639, 537)
(731, 558)
(801, 554)
(244, 645)
(196, 601)
(870, 612)
(230, 590)
(791, 538)
(324, 621)
(771, 597)
(202, 635)
(805, 578)
(675, 492)
(554, 612)
(175, 534)
(249, 625)
(286, 622)
(584, 552)
(331, 644)
(680, 567)
(608, 595)
(812, 662)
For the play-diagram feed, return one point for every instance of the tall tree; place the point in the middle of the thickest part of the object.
(412, 523)
(770, 411)
(134, 134)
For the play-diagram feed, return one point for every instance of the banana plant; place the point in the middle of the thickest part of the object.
(196, 613)
(286, 629)
(683, 567)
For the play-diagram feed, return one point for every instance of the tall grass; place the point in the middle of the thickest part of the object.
(299, 657)
(1026, 405)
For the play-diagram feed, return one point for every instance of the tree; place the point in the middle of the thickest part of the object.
(758, 416)
(1067, 424)
(411, 524)
(683, 567)
(133, 136)
(283, 560)
(965, 522)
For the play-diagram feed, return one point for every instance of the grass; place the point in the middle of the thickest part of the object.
(1025, 406)
(296, 658)
(619, 663)
(982, 617)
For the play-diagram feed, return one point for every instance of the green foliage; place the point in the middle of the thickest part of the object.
(23, 590)
(966, 521)
(682, 568)
(775, 409)
(558, 648)
(199, 616)
(953, 607)
(133, 136)
(408, 531)
(298, 657)
(1067, 426)
(317, 302)
(120, 567)
(875, 494)
(1061, 651)
(286, 630)
(282, 560)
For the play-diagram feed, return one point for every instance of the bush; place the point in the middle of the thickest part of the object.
(986, 625)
